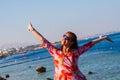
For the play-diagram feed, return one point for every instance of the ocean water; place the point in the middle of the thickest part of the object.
(103, 60)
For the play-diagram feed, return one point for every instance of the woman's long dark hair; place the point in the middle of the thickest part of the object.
(74, 44)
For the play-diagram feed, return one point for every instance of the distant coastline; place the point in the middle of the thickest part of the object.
(20, 50)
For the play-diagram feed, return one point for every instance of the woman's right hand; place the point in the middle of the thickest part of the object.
(30, 27)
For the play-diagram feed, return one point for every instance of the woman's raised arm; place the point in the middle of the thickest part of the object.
(101, 38)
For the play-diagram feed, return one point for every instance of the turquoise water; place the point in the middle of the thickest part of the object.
(102, 60)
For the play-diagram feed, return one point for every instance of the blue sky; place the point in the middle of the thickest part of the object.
(52, 18)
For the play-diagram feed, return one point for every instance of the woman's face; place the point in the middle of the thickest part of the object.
(66, 40)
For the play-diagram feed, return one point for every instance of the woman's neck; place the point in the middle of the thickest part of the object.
(65, 49)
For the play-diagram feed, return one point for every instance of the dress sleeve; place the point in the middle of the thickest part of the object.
(49, 46)
(85, 48)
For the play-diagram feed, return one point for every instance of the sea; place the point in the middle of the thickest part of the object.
(102, 60)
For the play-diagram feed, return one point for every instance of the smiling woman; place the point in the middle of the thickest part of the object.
(69, 40)
(66, 58)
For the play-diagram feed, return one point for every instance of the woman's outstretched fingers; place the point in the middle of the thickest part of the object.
(30, 28)
(109, 39)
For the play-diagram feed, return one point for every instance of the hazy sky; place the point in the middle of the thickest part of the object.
(53, 18)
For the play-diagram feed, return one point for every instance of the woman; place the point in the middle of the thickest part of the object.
(66, 58)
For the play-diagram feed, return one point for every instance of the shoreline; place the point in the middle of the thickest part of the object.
(21, 50)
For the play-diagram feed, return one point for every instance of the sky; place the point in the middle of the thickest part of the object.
(52, 18)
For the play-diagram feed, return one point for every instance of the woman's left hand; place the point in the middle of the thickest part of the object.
(108, 38)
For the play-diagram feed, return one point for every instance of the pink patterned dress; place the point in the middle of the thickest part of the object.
(66, 66)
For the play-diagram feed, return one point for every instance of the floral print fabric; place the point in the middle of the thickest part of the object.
(66, 66)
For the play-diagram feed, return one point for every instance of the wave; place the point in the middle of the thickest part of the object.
(23, 58)
(15, 63)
